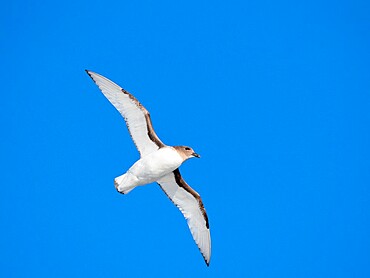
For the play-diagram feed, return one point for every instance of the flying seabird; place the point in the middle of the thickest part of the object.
(158, 163)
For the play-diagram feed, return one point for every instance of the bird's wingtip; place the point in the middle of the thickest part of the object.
(90, 73)
(206, 260)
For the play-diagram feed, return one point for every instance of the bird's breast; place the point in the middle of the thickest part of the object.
(157, 164)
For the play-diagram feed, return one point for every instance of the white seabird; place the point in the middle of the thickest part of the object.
(158, 163)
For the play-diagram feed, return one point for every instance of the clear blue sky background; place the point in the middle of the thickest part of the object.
(274, 95)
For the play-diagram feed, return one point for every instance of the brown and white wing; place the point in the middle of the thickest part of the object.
(191, 206)
(136, 116)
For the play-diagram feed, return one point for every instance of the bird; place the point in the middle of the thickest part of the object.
(158, 163)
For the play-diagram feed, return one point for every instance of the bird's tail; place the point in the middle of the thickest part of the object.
(123, 183)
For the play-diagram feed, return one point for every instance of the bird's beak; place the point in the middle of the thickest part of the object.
(196, 155)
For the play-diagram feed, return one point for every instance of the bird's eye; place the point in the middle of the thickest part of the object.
(188, 149)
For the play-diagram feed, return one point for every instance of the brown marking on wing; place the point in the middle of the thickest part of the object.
(151, 133)
(180, 181)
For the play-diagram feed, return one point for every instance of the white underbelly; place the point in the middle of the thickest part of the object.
(155, 165)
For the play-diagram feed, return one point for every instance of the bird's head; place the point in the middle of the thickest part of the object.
(186, 152)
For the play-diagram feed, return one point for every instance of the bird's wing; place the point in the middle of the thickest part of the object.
(136, 116)
(191, 206)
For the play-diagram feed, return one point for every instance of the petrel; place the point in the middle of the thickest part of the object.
(158, 162)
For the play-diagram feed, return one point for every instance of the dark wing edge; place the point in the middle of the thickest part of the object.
(183, 185)
(151, 133)
(150, 130)
(180, 181)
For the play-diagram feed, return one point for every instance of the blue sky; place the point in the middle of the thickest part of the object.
(274, 95)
